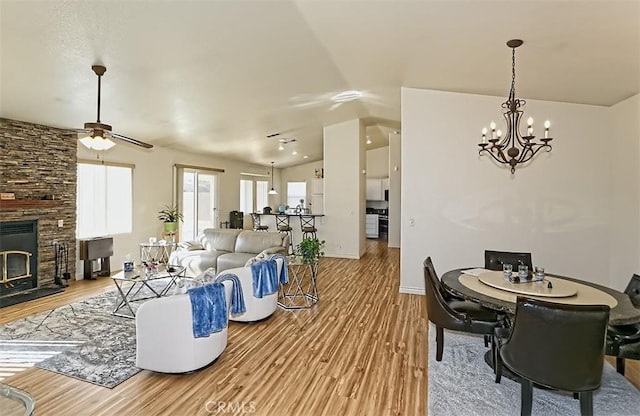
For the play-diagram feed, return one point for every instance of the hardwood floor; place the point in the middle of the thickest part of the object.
(362, 350)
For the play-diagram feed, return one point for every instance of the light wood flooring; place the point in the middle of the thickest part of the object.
(362, 350)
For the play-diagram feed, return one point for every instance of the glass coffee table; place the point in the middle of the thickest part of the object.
(130, 284)
(16, 402)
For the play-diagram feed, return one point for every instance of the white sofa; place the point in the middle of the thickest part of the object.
(257, 308)
(164, 336)
(223, 249)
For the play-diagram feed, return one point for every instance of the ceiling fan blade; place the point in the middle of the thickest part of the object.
(129, 140)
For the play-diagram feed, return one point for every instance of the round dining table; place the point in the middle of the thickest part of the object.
(471, 287)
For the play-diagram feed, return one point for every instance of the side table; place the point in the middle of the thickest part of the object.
(301, 291)
(159, 251)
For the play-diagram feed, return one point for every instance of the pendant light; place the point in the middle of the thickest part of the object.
(272, 191)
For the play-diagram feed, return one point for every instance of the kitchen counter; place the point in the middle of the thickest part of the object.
(292, 215)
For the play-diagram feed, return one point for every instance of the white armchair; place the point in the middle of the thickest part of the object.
(164, 336)
(257, 308)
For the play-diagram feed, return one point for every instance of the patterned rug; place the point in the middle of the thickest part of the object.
(463, 384)
(107, 354)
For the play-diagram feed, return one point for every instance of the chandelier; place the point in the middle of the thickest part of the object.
(513, 149)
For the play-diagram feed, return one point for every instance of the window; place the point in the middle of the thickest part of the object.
(247, 195)
(295, 192)
(104, 200)
(262, 197)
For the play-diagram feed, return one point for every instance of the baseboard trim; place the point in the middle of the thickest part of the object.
(412, 290)
(341, 256)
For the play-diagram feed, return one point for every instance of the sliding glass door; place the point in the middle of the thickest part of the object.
(199, 196)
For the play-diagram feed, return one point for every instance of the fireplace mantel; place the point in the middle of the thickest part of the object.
(15, 204)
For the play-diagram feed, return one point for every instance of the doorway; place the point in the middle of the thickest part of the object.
(199, 196)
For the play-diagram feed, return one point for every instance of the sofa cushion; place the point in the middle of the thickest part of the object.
(190, 245)
(232, 260)
(196, 261)
(219, 239)
(255, 242)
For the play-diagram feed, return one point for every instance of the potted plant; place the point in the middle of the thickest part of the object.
(310, 249)
(170, 216)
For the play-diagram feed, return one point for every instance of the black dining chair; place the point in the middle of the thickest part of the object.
(557, 346)
(456, 315)
(493, 260)
(623, 341)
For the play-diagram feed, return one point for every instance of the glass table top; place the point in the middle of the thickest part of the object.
(16, 402)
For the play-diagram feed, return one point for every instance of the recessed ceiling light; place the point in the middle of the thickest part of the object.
(345, 96)
(368, 141)
(281, 147)
(294, 153)
(305, 157)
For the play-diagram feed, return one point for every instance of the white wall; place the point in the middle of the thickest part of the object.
(623, 140)
(378, 162)
(344, 189)
(558, 207)
(395, 186)
(153, 187)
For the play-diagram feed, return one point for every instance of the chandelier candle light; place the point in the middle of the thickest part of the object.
(519, 149)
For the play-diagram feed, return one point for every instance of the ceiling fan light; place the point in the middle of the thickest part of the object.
(108, 143)
(97, 143)
(87, 142)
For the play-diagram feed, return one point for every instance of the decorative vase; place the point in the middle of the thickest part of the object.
(170, 227)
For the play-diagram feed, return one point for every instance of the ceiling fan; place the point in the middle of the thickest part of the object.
(98, 135)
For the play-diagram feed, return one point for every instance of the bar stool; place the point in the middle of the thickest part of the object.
(308, 226)
(282, 224)
(256, 223)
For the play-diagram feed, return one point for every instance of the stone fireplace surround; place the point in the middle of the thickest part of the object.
(39, 165)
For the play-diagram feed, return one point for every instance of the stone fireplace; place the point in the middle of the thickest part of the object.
(38, 167)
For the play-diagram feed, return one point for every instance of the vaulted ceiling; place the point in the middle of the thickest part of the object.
(218, 77)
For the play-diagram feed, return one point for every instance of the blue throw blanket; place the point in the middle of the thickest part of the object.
(237, 298)
(265, 276)
(284, 274)
(208, 309)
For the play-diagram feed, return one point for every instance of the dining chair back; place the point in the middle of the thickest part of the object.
(558, 346)
(623, 341)
(453, 314)
(633, 290)
(493, 260)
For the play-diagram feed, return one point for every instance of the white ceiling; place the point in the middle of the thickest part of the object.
(218, 76)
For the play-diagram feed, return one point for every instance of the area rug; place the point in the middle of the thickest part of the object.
(107, 355)
(19, 355)
(463, 384)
